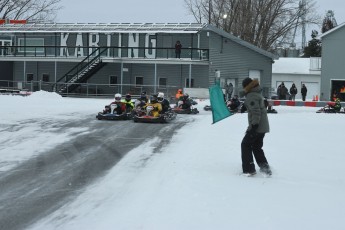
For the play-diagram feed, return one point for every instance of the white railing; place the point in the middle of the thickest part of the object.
(315, 63)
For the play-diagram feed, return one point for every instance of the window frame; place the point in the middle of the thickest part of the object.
(27, 76)
(110, 80)
(45, 75)
(159, 82)
(22, 47)
(137, 85)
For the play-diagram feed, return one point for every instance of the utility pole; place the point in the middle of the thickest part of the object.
(303, 10)
(209, 11)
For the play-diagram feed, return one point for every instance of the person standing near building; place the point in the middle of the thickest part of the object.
(229, 88)
(258, 126)
(282, 91)
(293, 91)
(178, 48)
(304, 91)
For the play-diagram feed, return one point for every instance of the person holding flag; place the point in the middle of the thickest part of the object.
(258, 126)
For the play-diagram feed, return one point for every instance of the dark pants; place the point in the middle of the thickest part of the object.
(253, 146)
(303, 97)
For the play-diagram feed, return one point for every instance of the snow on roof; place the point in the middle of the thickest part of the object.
(291, 65)
(103, 27)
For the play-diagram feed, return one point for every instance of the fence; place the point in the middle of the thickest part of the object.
(88, 89)
(111, 52)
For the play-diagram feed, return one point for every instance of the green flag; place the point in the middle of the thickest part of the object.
(219, 109)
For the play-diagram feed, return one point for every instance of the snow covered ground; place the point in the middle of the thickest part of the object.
(195, 182)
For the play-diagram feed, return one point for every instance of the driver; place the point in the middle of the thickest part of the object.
(117, 106)
(154, 107)
(165, 103)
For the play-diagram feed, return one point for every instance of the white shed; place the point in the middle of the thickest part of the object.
(299, 71)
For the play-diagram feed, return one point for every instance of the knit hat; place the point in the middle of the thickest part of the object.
(246, 82)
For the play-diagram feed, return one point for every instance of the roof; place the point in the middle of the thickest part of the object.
(241, 42)
(127, 28)
(332, 30)
(103, 27)
(292, 66)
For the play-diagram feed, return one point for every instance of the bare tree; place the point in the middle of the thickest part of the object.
(263, 23)
(29, 9)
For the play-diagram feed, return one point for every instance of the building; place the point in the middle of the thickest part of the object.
(333, 65)
(299, 71)
(102, 59)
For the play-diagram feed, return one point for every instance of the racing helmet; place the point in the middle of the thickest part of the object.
(128, 97)
(160, 96)
(154, 98)
(118, 97)
(143, 95)
(185, 95)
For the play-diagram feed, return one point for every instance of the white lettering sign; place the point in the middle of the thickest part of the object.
(133, 41)
(150, 43)
(94, 40)
(63, 44)
(79, 50)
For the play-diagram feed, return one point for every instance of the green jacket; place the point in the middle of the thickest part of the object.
(257, 112)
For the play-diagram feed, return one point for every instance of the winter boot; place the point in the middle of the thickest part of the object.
(249, 173)
(266, 170)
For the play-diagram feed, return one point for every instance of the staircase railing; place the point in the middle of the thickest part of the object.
(76, 74)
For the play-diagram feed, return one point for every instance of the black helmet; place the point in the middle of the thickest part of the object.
(154, 98)
(128, 97)
(143, 95)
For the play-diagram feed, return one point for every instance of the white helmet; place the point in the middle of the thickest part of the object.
(160, 94)
(118, 97)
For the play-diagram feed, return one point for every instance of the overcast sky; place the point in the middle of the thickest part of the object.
(154, 11)
(158, 11)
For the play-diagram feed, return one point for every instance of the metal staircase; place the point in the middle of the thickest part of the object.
(80, 73)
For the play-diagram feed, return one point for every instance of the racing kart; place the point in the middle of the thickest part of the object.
(179, 110)
(331, 108)
(146, 116)
(191, 110)
(110, 114)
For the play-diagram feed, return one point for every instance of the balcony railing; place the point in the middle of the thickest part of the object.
(112, 52)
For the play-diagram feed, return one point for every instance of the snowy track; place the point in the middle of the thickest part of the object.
(45, 182)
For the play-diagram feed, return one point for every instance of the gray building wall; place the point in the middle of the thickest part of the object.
(234, 61)
(6, 70)
(333, 61)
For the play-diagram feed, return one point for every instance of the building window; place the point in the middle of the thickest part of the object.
(112, 80)
(162, 82)
(29, 77)
(45, 77)
(31, 45)
(139, 81)
(187, 83)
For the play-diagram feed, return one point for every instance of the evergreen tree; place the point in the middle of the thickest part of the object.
(314, 46)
